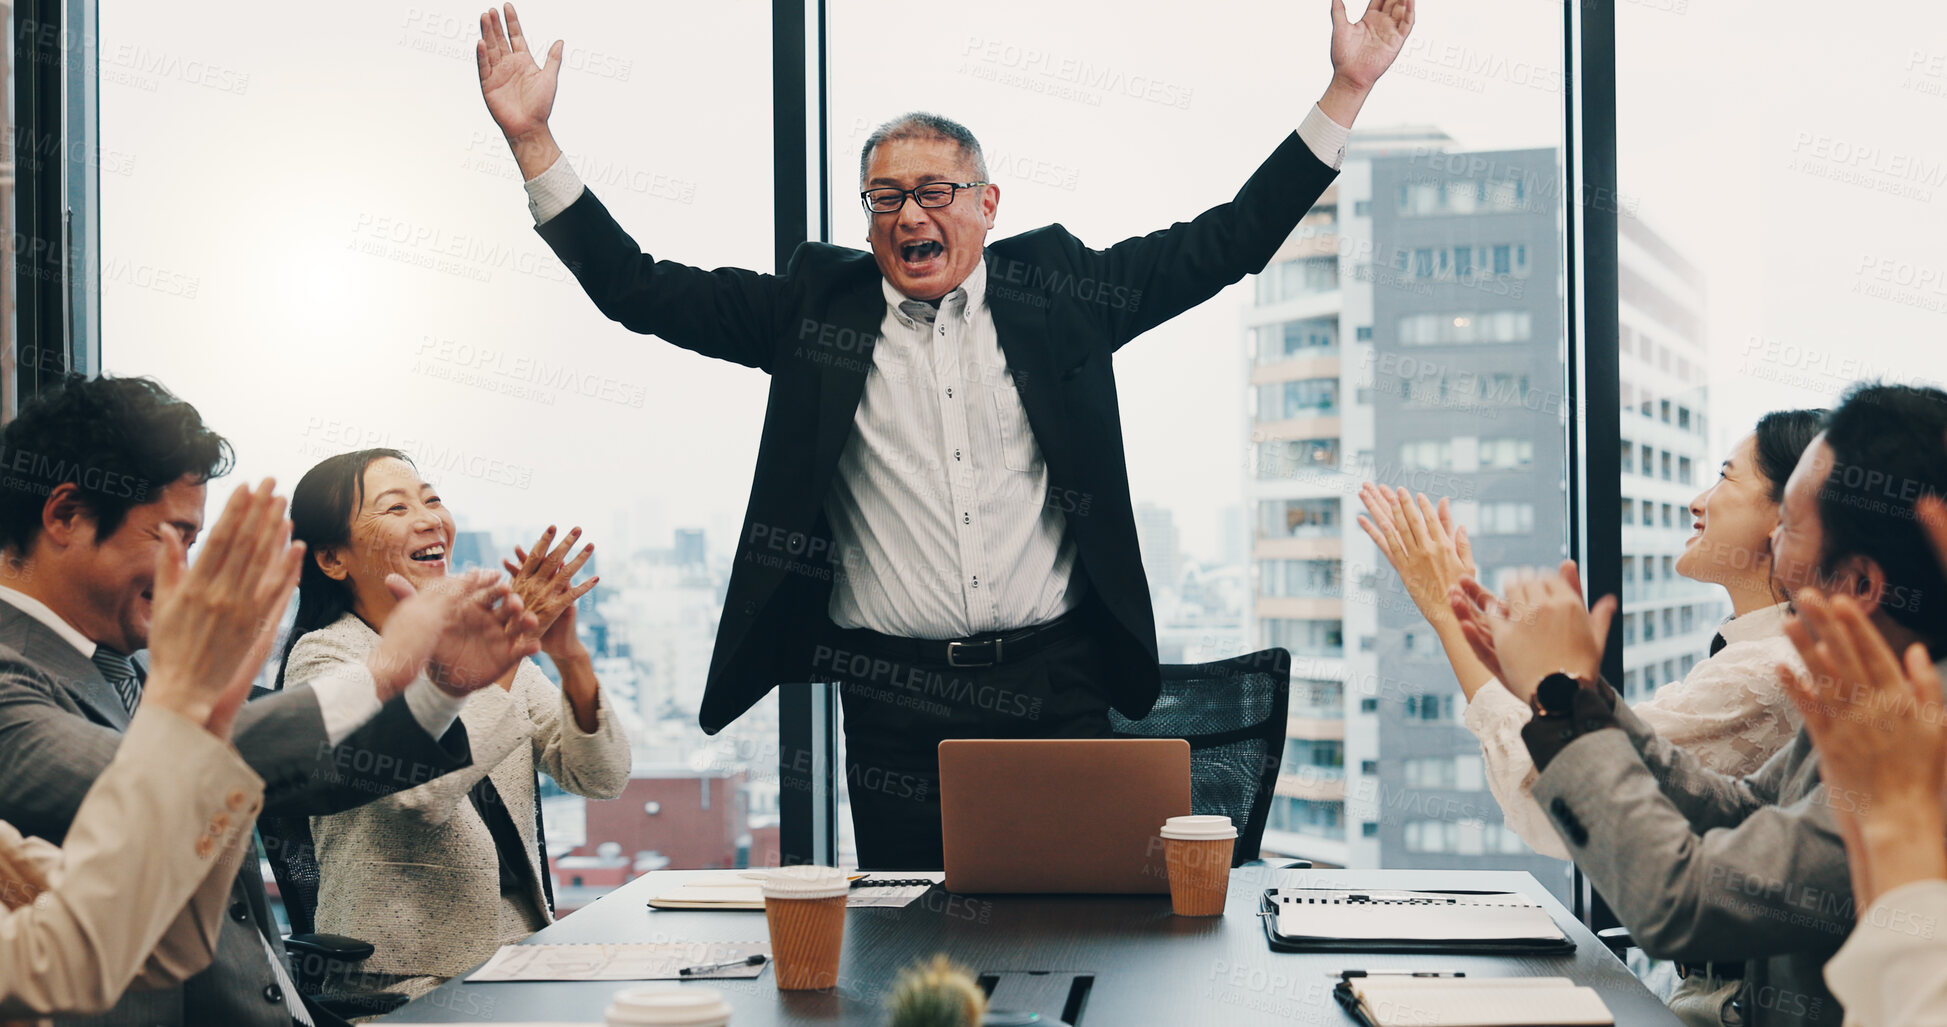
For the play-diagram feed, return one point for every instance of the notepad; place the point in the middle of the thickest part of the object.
(1473, 1002)
(629, 961)
(1341, 919)
(746, 891)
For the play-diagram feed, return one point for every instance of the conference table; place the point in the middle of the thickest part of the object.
(1140, 964)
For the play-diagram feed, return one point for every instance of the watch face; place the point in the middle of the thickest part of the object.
(1556, 693)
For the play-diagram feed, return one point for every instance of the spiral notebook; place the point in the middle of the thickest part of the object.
(1354, 920)
(1473, 1002)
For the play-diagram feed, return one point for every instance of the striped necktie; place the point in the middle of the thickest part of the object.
(120, 672)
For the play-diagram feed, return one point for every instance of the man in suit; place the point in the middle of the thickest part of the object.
(1747, 875)
(940, 517)
(90, 479)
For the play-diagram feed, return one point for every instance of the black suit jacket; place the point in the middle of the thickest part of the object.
(1061, 311)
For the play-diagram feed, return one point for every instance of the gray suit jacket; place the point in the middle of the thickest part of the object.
(60, 724)
(1703, 867)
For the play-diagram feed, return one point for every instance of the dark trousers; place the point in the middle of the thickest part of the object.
(897, 712)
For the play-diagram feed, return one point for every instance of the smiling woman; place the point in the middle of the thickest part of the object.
(440, 875)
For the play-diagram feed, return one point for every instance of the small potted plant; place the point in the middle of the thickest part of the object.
(935, 994)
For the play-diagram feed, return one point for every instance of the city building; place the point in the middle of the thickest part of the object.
(1409, 333)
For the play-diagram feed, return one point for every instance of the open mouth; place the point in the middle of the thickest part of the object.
(921, 254)
(433, 554)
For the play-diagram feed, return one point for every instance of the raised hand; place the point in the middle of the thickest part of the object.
(489, 633)
(214, 622)
(544, 579)
(420, 620)
(1362, 50)
(519, 93)
(1543, 627)
(1422, 543)
(1881, 738)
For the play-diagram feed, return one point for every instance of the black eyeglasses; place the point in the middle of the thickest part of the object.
(932, 194)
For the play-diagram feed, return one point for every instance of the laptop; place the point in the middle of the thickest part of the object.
(1060, 814)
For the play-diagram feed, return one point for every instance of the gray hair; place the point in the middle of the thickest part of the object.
(921, 125)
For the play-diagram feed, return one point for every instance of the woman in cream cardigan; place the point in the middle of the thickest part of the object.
(1729, 710)
(439, 876)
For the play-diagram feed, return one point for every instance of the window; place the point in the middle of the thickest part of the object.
(1628, 457)
(1290, 340)
(1309, 579)
(1684, 470)
(434, 327)
(1315, 755)
(1305, 637)
(1491, 326)
(1290, 279)
(1298, 517)
(1308, 397)
(1463, 773)
(1506, 518)
(1427, 455)
(1502, 454)
(1364, 333)
(1294, 457)
(1628, 510)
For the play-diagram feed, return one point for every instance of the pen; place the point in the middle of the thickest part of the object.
(1346, 975)
(753, 960)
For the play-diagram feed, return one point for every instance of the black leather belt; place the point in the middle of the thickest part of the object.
(980, 651)
(1724, 971)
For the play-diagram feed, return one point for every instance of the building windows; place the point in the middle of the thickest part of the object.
(1461, 837)
(1368, 705)
(1303, 579)
(1629, 630)
(1463, 196)
(1430, 706)
(1361, 208)
(1462, 263)
(1305, 397)
(1289, 340)
(1315, 754)
(1506, 519)
(1306, 816)
(1666, 458)
(1427, 455)
(1369, 829)
(1685, 470)
(1287, 458)
(1290, 279)
(1322, 638)
(1489, 326)
(1628, 457)
(1318, 698)
(1505, 454)
(1460, 773)
(1628, 510)
(1287, 518)
(1649, 462)
(1363, 333)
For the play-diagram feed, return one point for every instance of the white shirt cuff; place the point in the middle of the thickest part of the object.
(556, 189)
(1325, 137)
(347, 698)
(433, 709)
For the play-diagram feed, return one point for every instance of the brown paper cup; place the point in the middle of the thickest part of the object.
(1199, 874)
(806, 938)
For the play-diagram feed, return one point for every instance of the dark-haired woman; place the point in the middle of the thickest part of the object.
(439, 876)
(1729, 709)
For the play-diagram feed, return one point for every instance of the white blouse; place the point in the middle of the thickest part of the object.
(1892, 971)
(1729, 711)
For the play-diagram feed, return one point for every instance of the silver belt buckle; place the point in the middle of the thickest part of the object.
(953, 653)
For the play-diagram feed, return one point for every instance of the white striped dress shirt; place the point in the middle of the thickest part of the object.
(938, 507)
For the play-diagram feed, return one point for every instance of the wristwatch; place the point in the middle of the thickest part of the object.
(1555, 696)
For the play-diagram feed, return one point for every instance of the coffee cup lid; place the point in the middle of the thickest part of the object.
(1198, 829)
(806, 882)
(669, 1004)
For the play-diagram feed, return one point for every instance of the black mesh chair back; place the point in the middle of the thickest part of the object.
(1232, 712)
(294, 862)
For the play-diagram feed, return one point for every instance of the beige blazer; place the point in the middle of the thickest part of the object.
(1892, 971)
(136, 896)
(416, 873)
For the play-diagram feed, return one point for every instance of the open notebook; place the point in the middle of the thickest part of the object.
(1472, 1002)
(1353, 920)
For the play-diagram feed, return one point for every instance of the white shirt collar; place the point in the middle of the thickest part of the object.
(961, 302)
(1768, 622)
(38, 610)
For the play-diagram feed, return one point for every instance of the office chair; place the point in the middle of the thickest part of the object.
(1232, 712)
(294, 862)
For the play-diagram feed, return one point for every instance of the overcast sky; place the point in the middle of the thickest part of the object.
(312, 230)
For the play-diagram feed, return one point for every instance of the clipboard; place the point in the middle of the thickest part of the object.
(1383, 920)
(1472, 1002)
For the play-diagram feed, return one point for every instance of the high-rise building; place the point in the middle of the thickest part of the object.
(1161, 546)
(1409, 333)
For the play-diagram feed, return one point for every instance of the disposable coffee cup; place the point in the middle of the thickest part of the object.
(805, 909)
(1198, 852)
(668, 1005)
